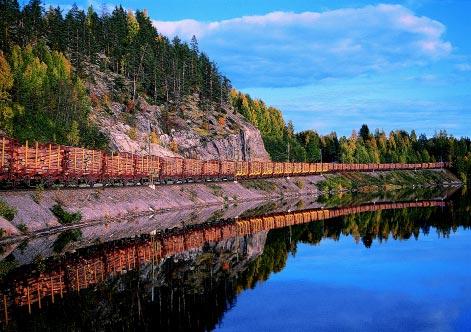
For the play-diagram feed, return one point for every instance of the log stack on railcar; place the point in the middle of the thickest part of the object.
(40, 161)
(267, 169)
(171, 169)
(146, 168)
(287, 169)
(83, 164)
(255, 169)
(278, 169)
(228, 169)
(192, 169)
(242, 169)
(6, 157)
(119, 167)
(211, 169)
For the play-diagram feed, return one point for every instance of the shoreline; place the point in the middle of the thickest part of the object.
(96, 206)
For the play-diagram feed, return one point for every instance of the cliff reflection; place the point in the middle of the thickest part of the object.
(186, 280)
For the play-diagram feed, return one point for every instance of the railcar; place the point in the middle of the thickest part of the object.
(83, 165)
(297, 168)
(228, 169)
(278, 169)
(6, 157)
(242, 169)
(171, 169)
(287, 169)
(40, 162)
(192, 169)
(267, 168)
(146, 168)
(305, 169)
(211, 169)
(255, 169)
(118, 167)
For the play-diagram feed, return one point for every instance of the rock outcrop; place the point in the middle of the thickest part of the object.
(185, 128)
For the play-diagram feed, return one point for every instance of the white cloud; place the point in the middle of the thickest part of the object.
(464, 67)
(289, 49)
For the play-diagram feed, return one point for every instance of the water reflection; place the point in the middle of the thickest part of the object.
(187, 278)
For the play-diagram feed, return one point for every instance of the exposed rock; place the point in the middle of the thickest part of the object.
(184, 128)
(8, 228)
(30, 214)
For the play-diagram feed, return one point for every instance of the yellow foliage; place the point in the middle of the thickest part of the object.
(132, 133)
(174, 146)
(154, 138)
(106, 100)
(6, 78)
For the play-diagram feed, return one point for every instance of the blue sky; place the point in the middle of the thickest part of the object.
(334, 65)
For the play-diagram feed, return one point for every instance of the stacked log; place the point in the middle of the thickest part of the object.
(267, 168)
(211, 168)
(287, 168)
(45, 160)
(242, 168)
(171, 168)
(147, 166)
(297, 168)
(278, 169)
(255, 169)
(119, 166)
(228, 168)
(6, 156)
(82, 163)
(192, 168)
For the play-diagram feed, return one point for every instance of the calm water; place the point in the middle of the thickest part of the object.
(391, 269)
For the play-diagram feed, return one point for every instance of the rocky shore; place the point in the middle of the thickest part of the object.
(32, 210)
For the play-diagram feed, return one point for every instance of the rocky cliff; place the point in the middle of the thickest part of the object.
(177, 128)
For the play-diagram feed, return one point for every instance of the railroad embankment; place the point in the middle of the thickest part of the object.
(30, 211)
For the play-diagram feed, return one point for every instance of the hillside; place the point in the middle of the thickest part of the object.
(112, 81)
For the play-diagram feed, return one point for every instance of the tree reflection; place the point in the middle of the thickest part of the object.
(192, 290)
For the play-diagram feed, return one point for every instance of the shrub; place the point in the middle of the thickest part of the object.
(23, 228)
(65, 238)
(38, 194)
(64, 216)
(263, 185)
(130, 105)
(299, 184)
(154, 138)
(174, 146)
(7, 211)
(132, 133)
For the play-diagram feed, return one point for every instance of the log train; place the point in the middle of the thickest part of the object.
(51, 163)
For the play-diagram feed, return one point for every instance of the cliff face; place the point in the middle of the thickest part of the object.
(184, 128)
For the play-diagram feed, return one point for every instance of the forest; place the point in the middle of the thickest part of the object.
(45, 54)
(44, 59)
(363, 146)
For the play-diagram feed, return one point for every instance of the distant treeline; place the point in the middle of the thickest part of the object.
(399, 146)
(44, 54)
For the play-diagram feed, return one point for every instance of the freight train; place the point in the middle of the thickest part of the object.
(47, 164)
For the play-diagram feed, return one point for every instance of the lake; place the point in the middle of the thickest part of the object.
(360, 262)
